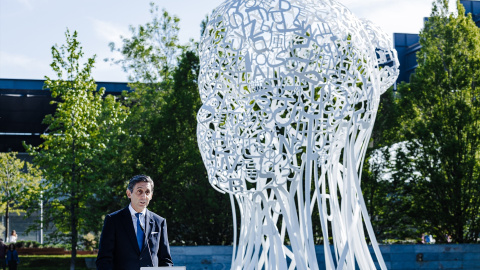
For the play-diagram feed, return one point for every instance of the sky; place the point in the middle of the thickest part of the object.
(29, 28)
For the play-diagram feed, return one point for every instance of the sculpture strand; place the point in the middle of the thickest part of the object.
(290, 91)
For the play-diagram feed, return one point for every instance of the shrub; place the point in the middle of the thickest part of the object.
(89, 242)
(27, 244)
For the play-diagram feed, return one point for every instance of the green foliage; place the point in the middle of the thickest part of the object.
(19, 184)
(78, 138)
(442, 126)
(161, 139)
(88, 241)
(51, 262)
(428, 138)
(201, 214)
(162, 143)
(19, 180)
(149, 56)
(386, 196)
(27, 244)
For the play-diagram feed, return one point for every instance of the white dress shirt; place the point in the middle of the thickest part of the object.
(12, 239)
(134, 218)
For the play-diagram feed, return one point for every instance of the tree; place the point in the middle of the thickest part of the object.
(150, 55)
(19, 183)
(162, 143)
(77, 139)
(161, 129)
(202, 216)
(385, 178)
(443, 126)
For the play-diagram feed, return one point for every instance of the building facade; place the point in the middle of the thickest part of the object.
(407, 45)
(23, 106)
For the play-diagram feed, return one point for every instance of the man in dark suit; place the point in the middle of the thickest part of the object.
(134, 237)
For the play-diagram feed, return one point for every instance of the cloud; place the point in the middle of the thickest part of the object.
(106, 71)
(395, 16)
(26, 3)
(109, 31)
(20, 61)
(23, 66)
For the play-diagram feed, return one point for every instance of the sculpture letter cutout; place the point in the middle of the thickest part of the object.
(290, 91)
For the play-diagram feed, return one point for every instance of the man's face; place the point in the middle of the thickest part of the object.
(141, 196)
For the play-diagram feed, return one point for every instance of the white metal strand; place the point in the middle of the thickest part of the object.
(290, 90)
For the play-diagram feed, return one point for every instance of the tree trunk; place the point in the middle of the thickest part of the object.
(73, 206)
(74, 236)
(6, 223)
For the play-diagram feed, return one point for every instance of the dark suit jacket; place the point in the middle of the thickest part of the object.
(118, 243)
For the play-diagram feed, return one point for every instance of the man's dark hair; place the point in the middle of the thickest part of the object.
(139, 178)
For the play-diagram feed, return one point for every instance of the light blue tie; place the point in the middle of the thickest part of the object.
(140, 232)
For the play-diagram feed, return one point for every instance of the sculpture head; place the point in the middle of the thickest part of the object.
(280, 82)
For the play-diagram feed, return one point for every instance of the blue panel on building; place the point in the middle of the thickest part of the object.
(27, 86)
(407, 45)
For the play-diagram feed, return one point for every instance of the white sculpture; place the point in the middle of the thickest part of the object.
(290, 90)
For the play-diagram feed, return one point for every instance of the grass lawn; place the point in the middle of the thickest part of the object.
(52, 262)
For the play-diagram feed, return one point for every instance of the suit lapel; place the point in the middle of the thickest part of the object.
(129, 229)
(149, 222)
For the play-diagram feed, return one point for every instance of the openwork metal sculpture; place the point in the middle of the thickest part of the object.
(290, 91)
